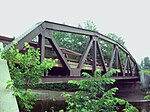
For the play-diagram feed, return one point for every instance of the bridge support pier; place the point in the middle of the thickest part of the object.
(8, 101)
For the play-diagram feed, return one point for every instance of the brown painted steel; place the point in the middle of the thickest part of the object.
(112, 58)
(42, 46)
(94, 57)
(116, 59)
(6, 39)
(82, 60)
(71, 29)
(101, 57)
(120, 64)
(59, 53)
(45, 30)
(130, 68)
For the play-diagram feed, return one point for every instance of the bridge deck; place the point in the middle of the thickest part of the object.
(74, 65)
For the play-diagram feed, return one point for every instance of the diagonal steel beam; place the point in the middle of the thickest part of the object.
(82, 59)
(101, 57)
(134, 68)
(120, 63)
(112, 58)
(28, 35)
(130, 68)
(126, 67)
(57, 50)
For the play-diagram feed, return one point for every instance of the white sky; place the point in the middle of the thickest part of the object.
(129, 19)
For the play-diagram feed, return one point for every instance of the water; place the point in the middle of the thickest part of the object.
(49, 106)
(55, 106)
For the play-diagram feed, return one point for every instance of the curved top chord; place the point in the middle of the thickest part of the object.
(45, 30)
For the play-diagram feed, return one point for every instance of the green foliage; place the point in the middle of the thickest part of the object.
(92, 96)
(55, 86)
(89, 25)
(25, 69)
(146, 71)
(72, 41)
(147, 96)
(116, 38)
(25, 98)
(130, 108)
(108, 47)
(78, 43)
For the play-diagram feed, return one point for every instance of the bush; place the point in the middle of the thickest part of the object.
(25, 69)
(56, 86)
(92, 96)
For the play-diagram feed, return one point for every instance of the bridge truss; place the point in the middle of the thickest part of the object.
(44, 31)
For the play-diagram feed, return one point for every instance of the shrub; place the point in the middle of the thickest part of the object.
(92, 96)
(25, 69)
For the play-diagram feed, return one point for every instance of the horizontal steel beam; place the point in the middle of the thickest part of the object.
(6, 39)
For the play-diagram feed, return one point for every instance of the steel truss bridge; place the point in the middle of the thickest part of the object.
(67, 68)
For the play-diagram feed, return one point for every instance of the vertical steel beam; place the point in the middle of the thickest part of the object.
(130, 68)
(136, 70)
(112, 58)
(41, 44)
(120, 63)
(116, 59)
(101, 57)
(84, 55)
(128, 73)
(125, 66)
(94, 57)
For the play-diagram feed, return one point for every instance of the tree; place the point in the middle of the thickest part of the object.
(142, 64)
(72, 41)
(89, 25)
(78, 43)
(145, 64)
(116, 38)
(109, 47)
